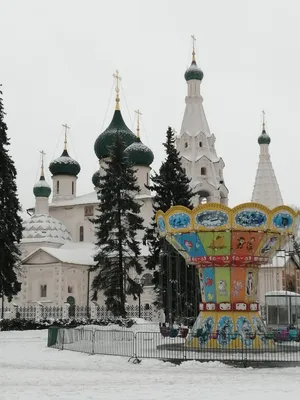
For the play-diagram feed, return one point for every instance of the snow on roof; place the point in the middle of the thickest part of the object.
(78, 253)
(43, 227)
(89, 198)
(75, 253)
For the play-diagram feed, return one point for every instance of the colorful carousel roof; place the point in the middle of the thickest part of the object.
(215, 234)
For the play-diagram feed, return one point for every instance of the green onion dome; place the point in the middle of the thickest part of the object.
(64, 165)
(264, 138)
(107, 138)
(139, 154)
(42, 188)
(95, 178)
(193, 72)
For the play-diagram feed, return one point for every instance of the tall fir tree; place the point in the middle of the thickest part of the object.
(175, 283)
(116, 227)
(10, 220)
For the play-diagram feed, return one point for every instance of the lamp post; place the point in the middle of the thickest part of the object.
(88, 294)
(141, 283)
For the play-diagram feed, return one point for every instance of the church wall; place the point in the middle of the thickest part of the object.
(64, 187)
(74, 217)
(143, 176)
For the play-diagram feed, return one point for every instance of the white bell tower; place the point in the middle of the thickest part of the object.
(266, 190)
(196, 144)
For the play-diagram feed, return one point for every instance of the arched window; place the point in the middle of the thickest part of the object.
(147, 179)
(186, 144)
(81, 234)
(57, 187)
(73, 187)
(200, 144)
(147, 307)
(203, 171)
(148, 279)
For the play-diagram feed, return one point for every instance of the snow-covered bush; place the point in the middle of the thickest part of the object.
(17, 324)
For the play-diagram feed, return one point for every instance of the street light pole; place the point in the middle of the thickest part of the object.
(88, 294)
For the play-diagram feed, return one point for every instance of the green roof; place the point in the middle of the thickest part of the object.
(193, 72)
(264, 138)
(139, 154)
(64, 165)
(107, 138)
(42, 188)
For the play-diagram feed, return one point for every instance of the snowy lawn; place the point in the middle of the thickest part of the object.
(29, 370)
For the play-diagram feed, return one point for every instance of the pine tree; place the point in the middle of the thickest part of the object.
(116, 228)
(10, 220)
(171, 187)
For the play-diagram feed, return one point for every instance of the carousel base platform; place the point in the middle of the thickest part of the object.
(278, 356)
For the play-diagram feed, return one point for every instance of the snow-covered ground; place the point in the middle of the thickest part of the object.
(29, 370)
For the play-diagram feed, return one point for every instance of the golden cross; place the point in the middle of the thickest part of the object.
(264, 119)
(138, 113)
(66, 131)
(118, 80)
(42, 156)
(194, 40)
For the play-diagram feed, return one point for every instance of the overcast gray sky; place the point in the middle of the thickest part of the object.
(57, 59)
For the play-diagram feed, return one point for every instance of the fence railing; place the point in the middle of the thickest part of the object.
(139, 345)
(38, 312)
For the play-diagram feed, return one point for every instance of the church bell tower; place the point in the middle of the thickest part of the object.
(196, 144)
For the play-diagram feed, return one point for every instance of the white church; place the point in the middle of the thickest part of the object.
(58, 238)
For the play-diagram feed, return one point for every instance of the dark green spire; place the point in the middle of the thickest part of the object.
(139, 154)
(106, 139)
(264, 138)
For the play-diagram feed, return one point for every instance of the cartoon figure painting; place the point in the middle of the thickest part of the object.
(222, 279)
(260, 329)
(209, 284)
(269, 245)
(223, 288)
(218, 243)
(188, 244)
(245, 243)
(191, 243)
(225, 330)
(250, 243)
(244, 329)
(237, 287)
(206, 330)
(249, 283)
(215, 243)
(242, 241)
(238, 282)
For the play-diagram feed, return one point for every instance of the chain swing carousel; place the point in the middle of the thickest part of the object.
(227, 247)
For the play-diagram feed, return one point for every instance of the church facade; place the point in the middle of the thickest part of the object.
(58, 239)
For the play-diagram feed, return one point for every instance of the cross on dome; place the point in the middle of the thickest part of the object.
(118, 80)
(66, 132)
(42, 160)
(194, 53)
(263, 120)
(138, 113)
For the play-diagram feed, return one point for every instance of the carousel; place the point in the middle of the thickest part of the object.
(227, 247)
